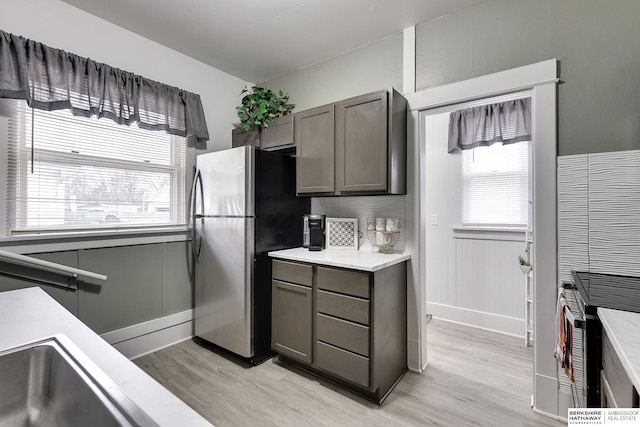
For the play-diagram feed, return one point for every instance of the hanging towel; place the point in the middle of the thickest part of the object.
(565, 337)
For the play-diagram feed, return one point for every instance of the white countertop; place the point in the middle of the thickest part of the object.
(364, 260)
(28, 315)
(623, 329)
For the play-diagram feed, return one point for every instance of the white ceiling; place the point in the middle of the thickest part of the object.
(257, 40)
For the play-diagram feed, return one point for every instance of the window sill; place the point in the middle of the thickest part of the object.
(57, 242)
(474, 232)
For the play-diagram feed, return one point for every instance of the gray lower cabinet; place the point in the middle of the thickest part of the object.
(617, 390)
(356, 335)
(291, 322)
(292, 315)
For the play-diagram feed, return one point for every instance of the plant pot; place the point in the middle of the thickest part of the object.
(526, 269)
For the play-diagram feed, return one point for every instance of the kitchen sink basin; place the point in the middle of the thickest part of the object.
(52, 383)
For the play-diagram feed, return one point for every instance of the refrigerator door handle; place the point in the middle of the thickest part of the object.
(196, 246)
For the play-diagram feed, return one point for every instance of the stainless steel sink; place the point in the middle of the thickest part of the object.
(52, 383)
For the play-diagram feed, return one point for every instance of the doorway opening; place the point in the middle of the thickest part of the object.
(541, 80)
(477, 205)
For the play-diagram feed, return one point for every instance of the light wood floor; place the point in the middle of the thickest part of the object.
(474, 377)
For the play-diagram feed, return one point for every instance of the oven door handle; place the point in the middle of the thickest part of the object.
(577, 322)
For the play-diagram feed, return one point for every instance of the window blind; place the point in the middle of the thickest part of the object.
(496, 185)
(74, 173)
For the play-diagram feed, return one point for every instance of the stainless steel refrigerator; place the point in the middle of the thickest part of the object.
(243, 205)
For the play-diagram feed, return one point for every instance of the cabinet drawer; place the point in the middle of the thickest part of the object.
(619, 383)
(343, 364)
(343, 334)
(292, 272)
(347, 282)
(344, 306)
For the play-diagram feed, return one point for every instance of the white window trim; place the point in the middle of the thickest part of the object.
(474, 232)
(541, 78)
(69, 241)
(131, 231)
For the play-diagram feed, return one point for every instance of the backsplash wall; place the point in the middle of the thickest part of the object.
(362, 207)
(599, 213)
(598, 221)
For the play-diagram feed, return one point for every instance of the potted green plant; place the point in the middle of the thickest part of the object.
(260, 106)
(525, 265)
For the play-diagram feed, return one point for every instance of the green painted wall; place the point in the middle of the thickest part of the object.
(144, 282)
(596, 41)
(373, 67)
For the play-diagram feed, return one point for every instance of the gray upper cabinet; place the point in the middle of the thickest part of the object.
(315, 141)
(278, 135)
(241, 137)
(368, 142)
(361, 143)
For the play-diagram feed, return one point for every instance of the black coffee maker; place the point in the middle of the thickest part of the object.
(316, 232)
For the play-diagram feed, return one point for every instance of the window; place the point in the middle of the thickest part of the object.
(495, 182)
(68, 173)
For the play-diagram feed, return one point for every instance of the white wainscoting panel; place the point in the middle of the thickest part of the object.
(443, 207)
(573, 215)
(614, 212)
(488, 277)
(362, 207)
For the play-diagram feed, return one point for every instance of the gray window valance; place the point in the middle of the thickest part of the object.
(52, 79)
(507, 122)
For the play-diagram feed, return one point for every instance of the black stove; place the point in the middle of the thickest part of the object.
(608, 290)
(598, 290)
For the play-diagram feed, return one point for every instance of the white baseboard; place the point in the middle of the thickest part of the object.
(549, 415)
(478, 319)
(144, 338)
(546, 395)
(413, 355)
(565, 401)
